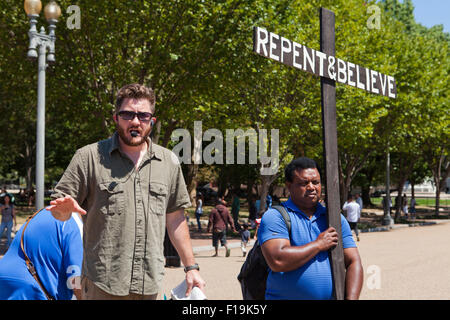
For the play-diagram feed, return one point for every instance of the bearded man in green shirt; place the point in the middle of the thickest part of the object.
(128, 190)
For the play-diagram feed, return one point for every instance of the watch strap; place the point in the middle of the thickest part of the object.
(192, 267)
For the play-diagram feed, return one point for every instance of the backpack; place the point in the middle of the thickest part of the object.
(254, 271)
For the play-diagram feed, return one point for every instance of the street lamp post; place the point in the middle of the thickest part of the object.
(40, 42)
(387, 219)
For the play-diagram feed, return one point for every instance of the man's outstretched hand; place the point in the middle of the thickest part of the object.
(62, 208)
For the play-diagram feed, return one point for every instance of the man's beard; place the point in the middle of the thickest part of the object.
(126, 137)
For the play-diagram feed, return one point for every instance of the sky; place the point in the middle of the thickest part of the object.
(432, 12)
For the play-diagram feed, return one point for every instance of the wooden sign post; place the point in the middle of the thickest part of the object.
(332, 198)
(330, 69)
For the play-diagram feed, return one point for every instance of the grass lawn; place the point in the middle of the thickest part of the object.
(23, 212)
(428, 202)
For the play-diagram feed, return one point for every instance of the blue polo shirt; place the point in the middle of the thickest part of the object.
(313, 280)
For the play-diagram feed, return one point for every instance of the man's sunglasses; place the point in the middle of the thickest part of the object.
(129, 115)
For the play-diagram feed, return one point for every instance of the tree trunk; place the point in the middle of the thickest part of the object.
(266, 181)
(29, 166)
(263, 195)
(191, 180)
(156, 132)
(222, 183)
(346, 190)
(250, 184)
(168, 133)
(438, 196)
(29, 178)
(365, 195)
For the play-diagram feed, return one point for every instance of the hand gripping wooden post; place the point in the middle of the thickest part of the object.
(328, 92)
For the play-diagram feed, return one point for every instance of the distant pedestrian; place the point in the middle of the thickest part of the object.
(219, 219)
(268, 202)
(30, 195)
(3, 193)
(412, 207)
(358, 200)
(245, 237)
(9, 222)
(257, 224)
(405, 205)
(199, 210)
(353, 214)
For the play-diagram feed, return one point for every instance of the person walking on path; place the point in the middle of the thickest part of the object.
(405, 205)
(299, 260)
(359, 201)
(199, 211)
(129, 190)
(245, 237)
(9, 222)
(219, 219)
(412, 208)
(353, 214)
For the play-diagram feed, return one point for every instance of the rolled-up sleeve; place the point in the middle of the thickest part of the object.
(272, 226)
(178, 197)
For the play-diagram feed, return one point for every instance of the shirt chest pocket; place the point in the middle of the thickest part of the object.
(111, 198)
(158, 198)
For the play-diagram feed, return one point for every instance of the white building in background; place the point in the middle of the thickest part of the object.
(426, 187)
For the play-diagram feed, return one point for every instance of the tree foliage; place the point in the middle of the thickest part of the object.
(197, 56)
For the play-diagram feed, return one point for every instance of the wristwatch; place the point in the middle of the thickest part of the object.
(193, 267)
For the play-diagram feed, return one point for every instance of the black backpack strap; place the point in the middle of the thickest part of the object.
(287, 219)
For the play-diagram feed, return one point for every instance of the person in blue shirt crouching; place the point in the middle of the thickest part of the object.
(55, 248)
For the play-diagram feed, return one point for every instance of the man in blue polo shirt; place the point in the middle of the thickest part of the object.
(299, 262)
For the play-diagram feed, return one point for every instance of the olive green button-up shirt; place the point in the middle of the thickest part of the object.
(124, 228)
